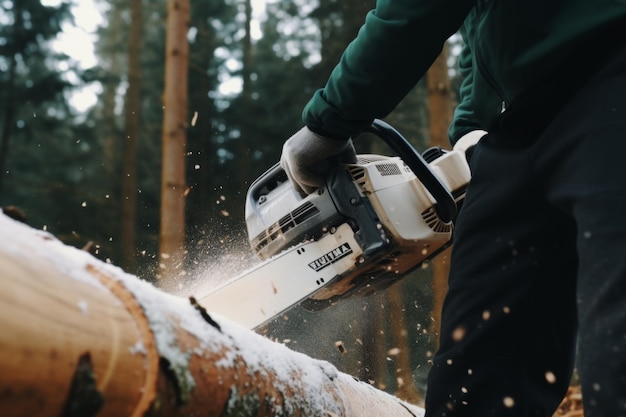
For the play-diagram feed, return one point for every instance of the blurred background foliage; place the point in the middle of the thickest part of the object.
(252, 67)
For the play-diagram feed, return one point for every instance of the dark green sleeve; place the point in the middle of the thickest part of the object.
(393, 50)
(464, 120)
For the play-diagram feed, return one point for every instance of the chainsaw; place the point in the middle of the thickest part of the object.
(372, 223)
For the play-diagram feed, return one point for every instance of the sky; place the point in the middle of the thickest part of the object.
(78, 39)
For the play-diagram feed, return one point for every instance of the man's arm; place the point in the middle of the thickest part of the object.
(393, 50)
(464, 120)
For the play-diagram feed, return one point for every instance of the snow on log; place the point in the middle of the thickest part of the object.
(79, 337)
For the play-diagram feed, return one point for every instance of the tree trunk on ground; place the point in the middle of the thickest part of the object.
(440, 115)
(79, 337)
(173, 183)
(131, 137)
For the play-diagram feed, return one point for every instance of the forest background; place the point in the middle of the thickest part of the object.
(92, 176)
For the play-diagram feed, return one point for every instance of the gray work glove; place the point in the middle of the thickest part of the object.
(308, 157)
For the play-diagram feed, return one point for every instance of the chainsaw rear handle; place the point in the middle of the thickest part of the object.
(445, 205)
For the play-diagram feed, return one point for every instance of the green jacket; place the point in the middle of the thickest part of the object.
(519, 56)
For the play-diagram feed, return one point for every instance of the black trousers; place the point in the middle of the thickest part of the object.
(538, 273)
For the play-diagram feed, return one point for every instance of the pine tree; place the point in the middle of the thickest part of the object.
(45, 148)
(28, 80)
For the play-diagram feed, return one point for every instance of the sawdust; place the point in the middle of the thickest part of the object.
(214, 270)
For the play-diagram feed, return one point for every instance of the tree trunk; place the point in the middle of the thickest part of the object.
(8, 116)
(173, 183)
(440, 116)
(7, 119)
(439, 100)
(79, 337)
(131, 137)
(247, 129)
(406, 388)
(111, 132)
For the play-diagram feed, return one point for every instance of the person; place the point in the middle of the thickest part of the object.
(537, 281)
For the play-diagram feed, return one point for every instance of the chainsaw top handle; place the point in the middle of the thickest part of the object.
(445, 204)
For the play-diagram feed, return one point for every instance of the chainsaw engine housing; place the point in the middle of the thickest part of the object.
(392, 215)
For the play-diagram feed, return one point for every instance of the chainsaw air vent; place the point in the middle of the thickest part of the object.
(356, 172)
(388, 169)
(365, 159)
(434, 222)
(287, 222)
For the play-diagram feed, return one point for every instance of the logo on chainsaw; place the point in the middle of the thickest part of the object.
(331, 257)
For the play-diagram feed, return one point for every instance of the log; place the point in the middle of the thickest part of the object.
(80, 337)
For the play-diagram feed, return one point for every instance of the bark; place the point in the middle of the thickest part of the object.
(80, 337)
(173, 183)
(440, 115)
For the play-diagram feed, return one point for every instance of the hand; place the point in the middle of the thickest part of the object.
(308, 157)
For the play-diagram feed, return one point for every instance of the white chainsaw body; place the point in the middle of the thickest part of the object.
(373, 222)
